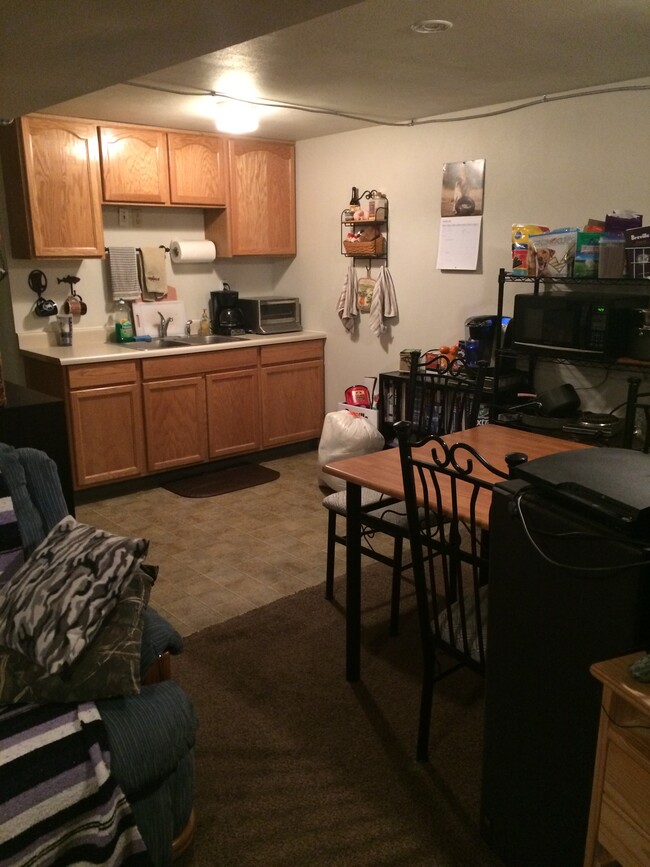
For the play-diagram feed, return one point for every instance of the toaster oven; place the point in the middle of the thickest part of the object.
(271, 315)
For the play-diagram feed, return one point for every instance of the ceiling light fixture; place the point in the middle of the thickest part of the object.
(235, 118)
(431, 25)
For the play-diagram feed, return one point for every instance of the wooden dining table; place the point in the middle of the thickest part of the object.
(381, 471)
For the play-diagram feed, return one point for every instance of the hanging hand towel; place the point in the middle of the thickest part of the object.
(153, 273)
(346, 306)
(384, 302)
(123, 265)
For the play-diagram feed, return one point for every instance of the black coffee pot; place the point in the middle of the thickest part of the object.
(225, 314)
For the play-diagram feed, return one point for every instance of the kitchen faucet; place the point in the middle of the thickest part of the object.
(164, 324)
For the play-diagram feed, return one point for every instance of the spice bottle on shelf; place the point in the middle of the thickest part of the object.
(354, 205)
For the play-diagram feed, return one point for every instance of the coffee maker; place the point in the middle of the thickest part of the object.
(225, 315)
(484, 329)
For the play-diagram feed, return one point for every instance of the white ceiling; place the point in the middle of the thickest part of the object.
(354, 58)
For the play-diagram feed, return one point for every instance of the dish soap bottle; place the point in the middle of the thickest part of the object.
(123, 324)
(204, 325)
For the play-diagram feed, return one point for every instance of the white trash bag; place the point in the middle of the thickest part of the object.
(345, 435)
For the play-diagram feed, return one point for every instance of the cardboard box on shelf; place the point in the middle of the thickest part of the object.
(637, 252)
(405, 359)
(554, 253)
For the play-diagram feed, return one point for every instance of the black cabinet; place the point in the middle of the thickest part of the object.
(564, 593)
(34, 420)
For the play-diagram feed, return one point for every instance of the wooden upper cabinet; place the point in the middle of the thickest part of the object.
(51, 171)
(261, 216)
(198, 172)
(134, 165)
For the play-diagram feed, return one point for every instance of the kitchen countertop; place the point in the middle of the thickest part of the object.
(90, 345)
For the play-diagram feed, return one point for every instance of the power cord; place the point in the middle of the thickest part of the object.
(520, 496)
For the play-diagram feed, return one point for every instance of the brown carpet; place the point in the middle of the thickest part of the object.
(222, 481)
(298, 768)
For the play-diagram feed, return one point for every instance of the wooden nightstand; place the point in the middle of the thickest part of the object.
(619, 819)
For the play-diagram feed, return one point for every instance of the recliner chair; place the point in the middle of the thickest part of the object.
(151, 734)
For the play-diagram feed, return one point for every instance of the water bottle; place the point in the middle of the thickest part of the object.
(471, 353)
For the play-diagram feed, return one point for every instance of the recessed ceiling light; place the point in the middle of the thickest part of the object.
(431, 25)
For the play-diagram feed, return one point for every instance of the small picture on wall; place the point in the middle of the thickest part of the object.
(462, 189)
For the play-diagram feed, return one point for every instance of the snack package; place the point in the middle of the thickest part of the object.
(587, 254)
(553, 253)
(522, 264)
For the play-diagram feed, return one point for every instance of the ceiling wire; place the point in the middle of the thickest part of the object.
(420, 121)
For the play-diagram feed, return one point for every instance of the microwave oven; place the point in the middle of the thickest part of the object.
(574, 324)
(271, 315)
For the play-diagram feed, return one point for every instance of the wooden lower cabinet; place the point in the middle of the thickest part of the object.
(104, 415)
(293, 392)
(107, 433)
(233, 401)
(131, 418)
(175, 422)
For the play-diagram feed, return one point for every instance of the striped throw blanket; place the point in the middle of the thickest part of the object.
(59, 804)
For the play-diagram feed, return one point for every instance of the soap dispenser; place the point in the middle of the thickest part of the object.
(204, 324)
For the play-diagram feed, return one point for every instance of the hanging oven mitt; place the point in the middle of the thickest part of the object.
(365, 289)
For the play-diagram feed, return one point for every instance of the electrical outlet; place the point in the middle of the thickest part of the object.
(136, 216)
(123, 217)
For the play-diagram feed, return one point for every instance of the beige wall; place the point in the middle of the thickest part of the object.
(558, 164)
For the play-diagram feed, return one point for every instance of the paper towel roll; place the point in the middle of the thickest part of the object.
(188, 252)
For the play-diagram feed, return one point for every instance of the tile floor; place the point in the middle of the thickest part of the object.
(221, 556)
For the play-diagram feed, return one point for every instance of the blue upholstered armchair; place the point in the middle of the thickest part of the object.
(149, 721)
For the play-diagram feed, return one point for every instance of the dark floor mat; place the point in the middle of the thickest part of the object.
(222, 481)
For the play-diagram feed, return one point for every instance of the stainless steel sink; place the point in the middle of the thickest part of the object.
(154, 343)
(207, 339)
(176, 342)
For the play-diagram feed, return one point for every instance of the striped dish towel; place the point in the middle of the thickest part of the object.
(123, 264)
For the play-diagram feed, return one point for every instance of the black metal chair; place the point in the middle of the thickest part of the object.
(450, 558)
(436, 403)
(444, 399)
(636, 426)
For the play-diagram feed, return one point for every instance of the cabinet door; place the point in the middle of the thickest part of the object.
(107, 434)
(262, 208)
(134, 165)
(59, 214)
(175, 422)
(293, 402)
(197, 169)
(233, 412)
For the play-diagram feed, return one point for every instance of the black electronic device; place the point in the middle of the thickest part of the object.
(608, 485)
(574, 324)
